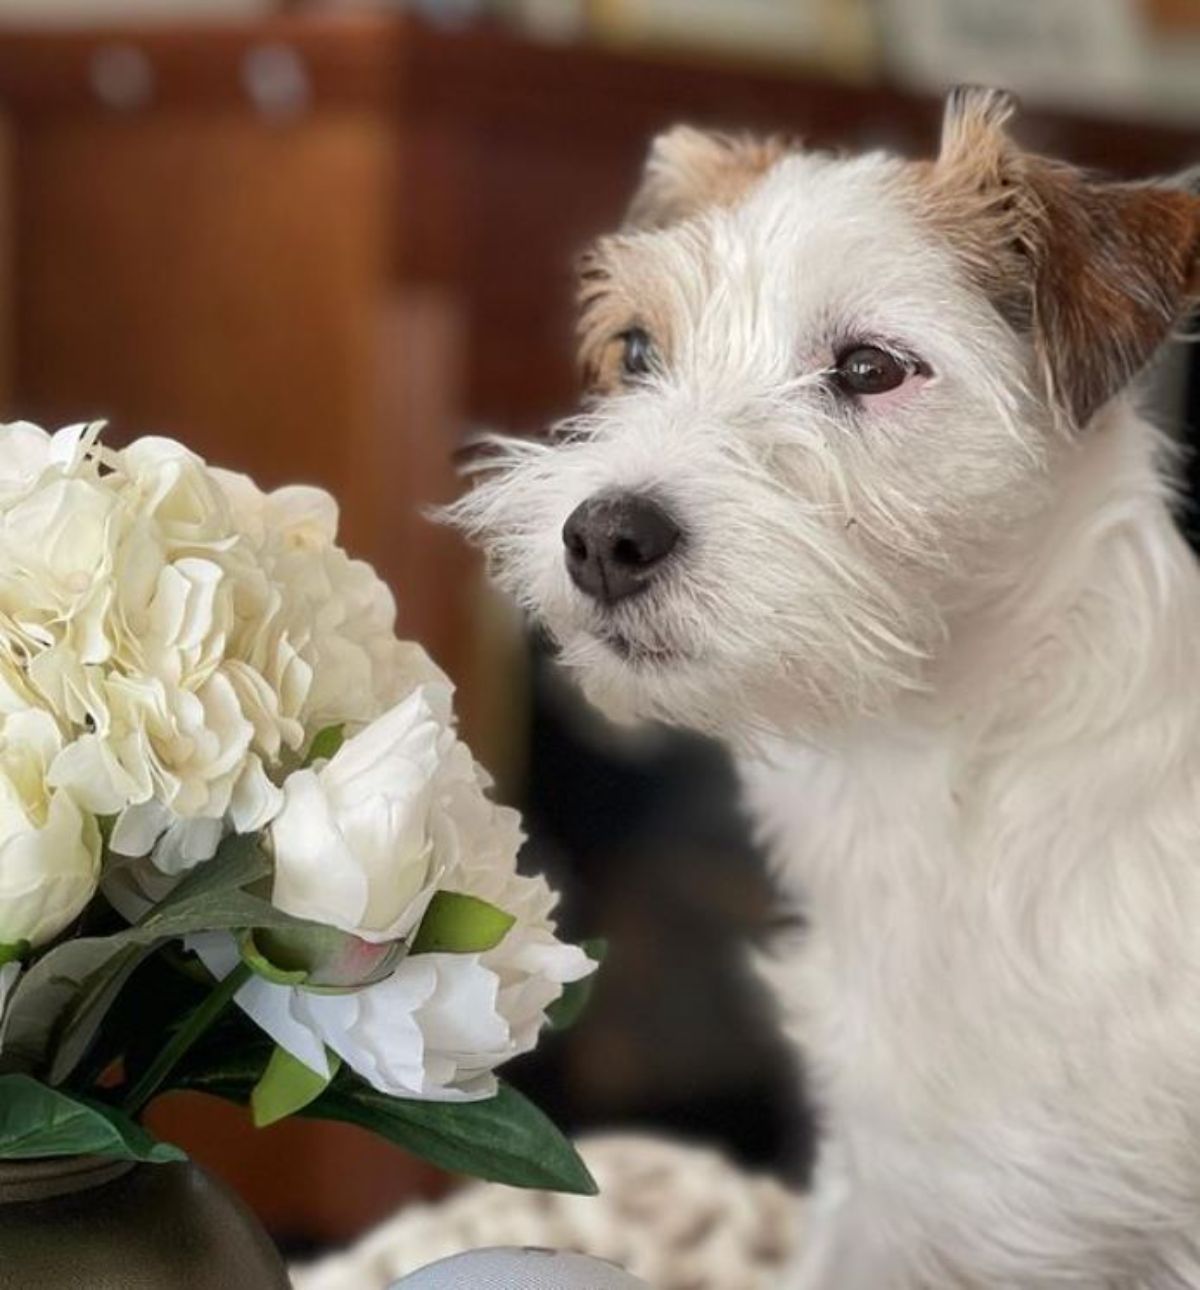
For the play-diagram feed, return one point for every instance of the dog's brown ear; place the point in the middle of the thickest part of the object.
(689, 170)
(1100, 272)
(1119, 267)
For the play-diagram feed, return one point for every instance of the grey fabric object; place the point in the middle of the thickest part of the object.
(520, 1270)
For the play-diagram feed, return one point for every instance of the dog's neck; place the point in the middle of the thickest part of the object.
(1068, 698)
(1091, 639)
(1100, 593)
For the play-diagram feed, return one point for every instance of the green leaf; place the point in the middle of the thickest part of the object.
(567, 1009)
(323, 960)
(326, 743)
(459, 924)
(63, 997)
(288, 1086)
(85, 1012)
(262, 966)
(239, 861)
(14, 953)
(225, 1071)
(212, 898)
(505, 1139)
(37, 1121)
(45, 994)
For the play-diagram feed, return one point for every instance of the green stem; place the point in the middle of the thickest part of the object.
(188, 1033)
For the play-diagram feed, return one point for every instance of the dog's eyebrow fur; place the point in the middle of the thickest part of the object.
(687, 172)
(1097, 272)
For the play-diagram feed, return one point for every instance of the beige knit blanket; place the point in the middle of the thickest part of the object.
(678, 1217)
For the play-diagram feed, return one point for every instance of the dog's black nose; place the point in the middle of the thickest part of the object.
(616, 544)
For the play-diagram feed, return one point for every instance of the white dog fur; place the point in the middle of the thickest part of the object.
(952, 635)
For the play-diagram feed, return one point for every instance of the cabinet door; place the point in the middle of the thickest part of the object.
(225, 281)
(208, 276)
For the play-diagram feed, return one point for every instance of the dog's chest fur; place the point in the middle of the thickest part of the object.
(997, 991)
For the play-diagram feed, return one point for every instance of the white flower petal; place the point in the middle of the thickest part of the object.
(379, 1037)
(460, 1019)
(277, 1009)
(90, 770)
(256, 799)
(138, 828)
(316, 877)
(352, 842)
(187, 843)
(48, 871)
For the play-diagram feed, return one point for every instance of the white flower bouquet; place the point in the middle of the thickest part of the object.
(242, 848)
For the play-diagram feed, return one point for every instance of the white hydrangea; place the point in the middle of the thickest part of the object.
(187, 631)
(49, 848)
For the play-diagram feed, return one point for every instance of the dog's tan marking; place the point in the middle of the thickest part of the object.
(1098, 272)
(689, 171)
(620, 286)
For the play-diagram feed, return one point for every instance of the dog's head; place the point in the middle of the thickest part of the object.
(827, 394)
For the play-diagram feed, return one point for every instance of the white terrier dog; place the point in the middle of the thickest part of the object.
(862, 493)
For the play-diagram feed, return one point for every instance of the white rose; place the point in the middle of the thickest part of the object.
(49, 848)
(352, 843)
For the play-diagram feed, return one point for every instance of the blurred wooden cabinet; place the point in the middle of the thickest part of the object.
(321, 248)
(194, 250)
(202, 233)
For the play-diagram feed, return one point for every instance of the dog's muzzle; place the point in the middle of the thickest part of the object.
(616, 545)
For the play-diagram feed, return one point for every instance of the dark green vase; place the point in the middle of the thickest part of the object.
(81, 1223)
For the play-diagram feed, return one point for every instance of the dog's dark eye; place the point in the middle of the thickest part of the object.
(637, 357)
(867, 369)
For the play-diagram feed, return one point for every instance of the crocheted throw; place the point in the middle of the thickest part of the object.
(678, 1217)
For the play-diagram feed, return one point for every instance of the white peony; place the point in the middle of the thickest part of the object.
(437, 1029)
(353, 846)
(441, 1025)
(49, 848)
(410, 801)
